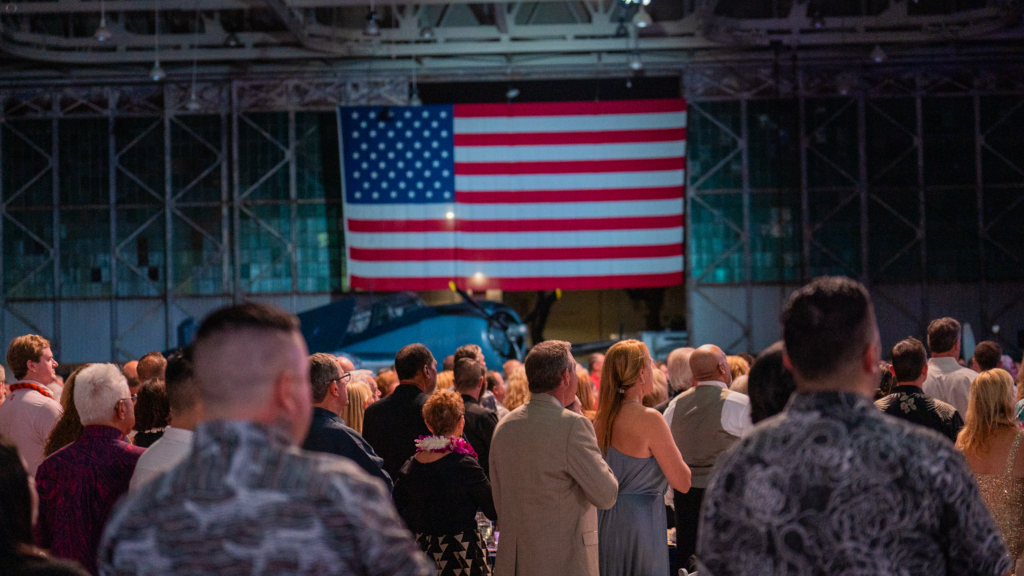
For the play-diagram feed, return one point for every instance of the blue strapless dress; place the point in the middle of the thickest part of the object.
(633, 532)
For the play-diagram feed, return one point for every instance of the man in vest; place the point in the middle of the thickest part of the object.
(705, 421)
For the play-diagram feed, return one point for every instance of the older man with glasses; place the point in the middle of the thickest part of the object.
(79, 484)
(328, 432)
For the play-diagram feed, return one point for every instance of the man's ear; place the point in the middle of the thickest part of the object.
(334, 390)
(786, 362)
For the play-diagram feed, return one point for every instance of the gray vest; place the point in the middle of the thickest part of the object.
(697, 430)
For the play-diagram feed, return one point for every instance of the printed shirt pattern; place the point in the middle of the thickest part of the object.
(247, 502)
(912, 404)
(832, 486)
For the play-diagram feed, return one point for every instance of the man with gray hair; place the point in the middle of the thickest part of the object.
(328, 432)
(79, 484)
(246, 500)
(947, 380)
(680, 378)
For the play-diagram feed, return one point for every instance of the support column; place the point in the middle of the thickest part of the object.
(112, 163)
(862, 185)
(55, 171)
(168, 221)
(747, 268)
(979, 192)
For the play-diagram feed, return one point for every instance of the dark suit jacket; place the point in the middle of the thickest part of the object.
(329, 434)
(480, 425)
(392, 424)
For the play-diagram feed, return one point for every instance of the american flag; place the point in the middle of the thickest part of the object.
(570, 195)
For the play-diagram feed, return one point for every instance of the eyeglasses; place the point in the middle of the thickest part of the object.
(343, 379)
(134, 399)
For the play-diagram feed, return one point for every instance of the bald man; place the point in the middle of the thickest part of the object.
(131, 373)
(705, 421)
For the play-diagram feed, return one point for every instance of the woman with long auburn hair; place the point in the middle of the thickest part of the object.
(990, 440)
(69, 427)
(638, 446)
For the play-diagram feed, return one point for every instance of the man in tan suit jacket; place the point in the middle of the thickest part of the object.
(547, 475)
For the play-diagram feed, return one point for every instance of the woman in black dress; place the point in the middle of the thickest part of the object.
(439, 491)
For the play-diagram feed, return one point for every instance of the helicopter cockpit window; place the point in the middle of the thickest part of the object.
(370, 315)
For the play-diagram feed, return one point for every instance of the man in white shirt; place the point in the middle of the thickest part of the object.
(27, 416)
(947, 379)
(705, 421)
(186, 410)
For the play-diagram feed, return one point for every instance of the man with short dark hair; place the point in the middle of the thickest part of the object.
(152, 365)
(480, 422)
(28, 415)
(246, 501)
(908, 401)
(987, 355)
(186, 410)
(831, 485)
(547, 475)
(328, 432)
(947, 379)
(392, 424)
(487, 399)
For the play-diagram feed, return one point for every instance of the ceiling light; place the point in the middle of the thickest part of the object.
(427, 33)
(818, 21)
(193, 104)
(635, 63)
(878, 55)
(642, 19)
(157, 73)
(232, 41)
(512, 93)
(479, 276)
(372, 27)
(449, 215)
(102, 33)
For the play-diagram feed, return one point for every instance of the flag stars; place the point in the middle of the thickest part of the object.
(355, 134)
(443, 114)
(358, 195)
(430, 194)
(373, 133)
(375, 195)
(355, 115)
(356, 174)
(444, 153)
(447, 194)
(373, 155)
(435, 144)
(363, 124)
(355, 155)
(434, 124)
(394, 194)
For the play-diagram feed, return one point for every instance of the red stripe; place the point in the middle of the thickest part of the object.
(546, 225)
(514, 254)
(540, 196)
(566, 283)
(558, 138)
(569, 108)
(571, 167)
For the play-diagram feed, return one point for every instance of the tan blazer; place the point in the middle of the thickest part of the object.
(547, 475)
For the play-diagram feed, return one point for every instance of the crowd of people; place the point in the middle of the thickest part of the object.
(244, 454)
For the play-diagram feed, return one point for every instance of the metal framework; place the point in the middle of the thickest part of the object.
(870, 205)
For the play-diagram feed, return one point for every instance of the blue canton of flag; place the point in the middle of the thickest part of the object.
(398, 155)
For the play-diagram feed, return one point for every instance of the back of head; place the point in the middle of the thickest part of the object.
(887, 381)
(585, 390)
(358, 394)
(738, 366)
(493, 379)
(152, 365)
(152, 408)
(385, 380)
(679, 376)
(445, 380)
(826, 325)
(943, 335)
(988, 355)
(471, 351)
(323, 369)
(594, 361)
(411, 360)
(468, 373)
(517, 390)
(180, 382)
(15, 506)
(622, 368)
(239, 351)
(769, 384)
(545, 365)
(22, 350)
(442, 412)
(989, 409)
(908, 359)
(509, 367)
(98, 389)
(660, 392)
(448, 363)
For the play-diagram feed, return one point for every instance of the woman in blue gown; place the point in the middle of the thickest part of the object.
(638, 446)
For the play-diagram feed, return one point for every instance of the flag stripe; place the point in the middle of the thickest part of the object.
(565, 108)
(571, 167)
(555, 196)
(569, 138)
(565, 282)
(634, 152)
(512, 254)
(568, 123)
(569, 181)
(518, 269)
(571, 239)
(517, 212)
(550, 225)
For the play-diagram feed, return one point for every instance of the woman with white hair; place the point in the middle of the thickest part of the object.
(79, 484)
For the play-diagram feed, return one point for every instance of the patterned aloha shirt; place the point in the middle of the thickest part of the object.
(247, 502)
(832, 486)
(912, 404)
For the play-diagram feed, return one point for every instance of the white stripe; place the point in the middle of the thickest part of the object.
(570, 181)
(555, 153)
(583, 123)
(526, 269)
(540, 211)
(588, 239)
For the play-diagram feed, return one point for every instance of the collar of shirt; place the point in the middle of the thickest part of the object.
(99, 431)
(712, 383)
(836, 404)
(906, 389)
(234, 433)
(945, 364)
(467, 399)
(546, 398)
(177, 435)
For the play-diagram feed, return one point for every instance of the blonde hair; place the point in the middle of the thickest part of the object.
(445, 380)
(660, 392)
(585, 392)
(621, 371)
(518, 389)
(358, 393)
(69, 427)
(989, 408)
(737, 366)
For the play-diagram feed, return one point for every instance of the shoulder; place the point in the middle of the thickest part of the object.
(50, 567)
(943, 409)
(732, 397)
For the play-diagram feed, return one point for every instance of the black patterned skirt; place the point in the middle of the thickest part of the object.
(464, 554)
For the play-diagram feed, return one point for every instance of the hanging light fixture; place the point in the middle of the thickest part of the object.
(372, 28)
(102, 33)
(635, 63)
(193, 104)
(414, 98)
(512, 93)
(157, 73)
(878, 55)
(232, 40)
(642, 19)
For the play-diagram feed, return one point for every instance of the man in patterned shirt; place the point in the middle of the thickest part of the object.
(247, 500)
(908, 401)
(832, 486)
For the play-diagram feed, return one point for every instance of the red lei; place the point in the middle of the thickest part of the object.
(32, 386)
(440, 444)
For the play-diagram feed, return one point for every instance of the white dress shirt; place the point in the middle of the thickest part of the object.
(735, 411)
(164, 454)
(26, 419)
(950, 382)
